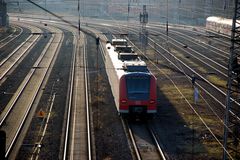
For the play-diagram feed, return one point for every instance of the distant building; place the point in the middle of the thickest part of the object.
(4, 20)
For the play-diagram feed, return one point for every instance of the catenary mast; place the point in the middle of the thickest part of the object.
(232, 114)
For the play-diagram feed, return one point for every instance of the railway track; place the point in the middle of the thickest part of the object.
(218, 95)
(216, 111)
(15, 57)
(77, 83)
(142, 150)
(206, 56)
(203, 37)
(16, 113)
(71, 92)
(144, 141)
(15, 41)
(11, 37)
(78, 143)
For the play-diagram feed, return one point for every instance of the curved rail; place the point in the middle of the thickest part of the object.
(19, 56)
(10, 37)
(23, 87)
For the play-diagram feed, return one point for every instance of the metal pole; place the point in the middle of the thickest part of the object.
(167, 22)
(79, 19)
(98, 114)
(128, 10)
(233, 74)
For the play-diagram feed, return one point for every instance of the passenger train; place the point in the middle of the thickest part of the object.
(133, 85)
(219, 25)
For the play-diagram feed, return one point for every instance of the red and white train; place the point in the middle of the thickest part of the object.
(219, 25)
(133, 85)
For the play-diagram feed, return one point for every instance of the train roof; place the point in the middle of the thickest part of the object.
(135, 66)
(123, 48)
(123, 67)
(116, 41)
(119, 40)
(128, 56)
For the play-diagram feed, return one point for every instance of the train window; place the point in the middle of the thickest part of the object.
(138, 87)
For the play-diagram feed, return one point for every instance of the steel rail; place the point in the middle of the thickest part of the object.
(65, 152)
(163, 27)
(27, 80)
(11, 39)
(28, 108)
(160, 150)
(198, 74)
(200, 87)
(195, 111)
(17, 60)
(188, 102)
(24, 85)
(199, 59)
(70, 95)
(19, 47)
(36, 150)
(137, 152)
(128, 128)
(87, 103)
(15, 50)
(35, 94)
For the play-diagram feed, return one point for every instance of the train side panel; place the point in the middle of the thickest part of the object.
(123, 100)
(112, 76)
(152, 107)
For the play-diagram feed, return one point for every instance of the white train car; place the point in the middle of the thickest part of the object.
(219, 25)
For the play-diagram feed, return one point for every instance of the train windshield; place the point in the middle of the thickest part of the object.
(138, 87)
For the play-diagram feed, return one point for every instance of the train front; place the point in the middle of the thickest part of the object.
(137, 93)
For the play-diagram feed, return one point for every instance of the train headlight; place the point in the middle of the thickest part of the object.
(123, 101)
(152, 101)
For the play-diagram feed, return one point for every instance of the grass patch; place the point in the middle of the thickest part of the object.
(204, 145)
(214, 149)
(197, 148)
(174, 96)
(189, 61)
(166, 71)
(216, 80)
